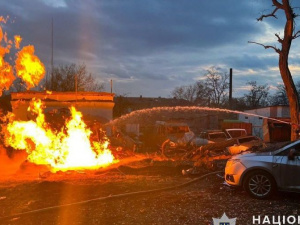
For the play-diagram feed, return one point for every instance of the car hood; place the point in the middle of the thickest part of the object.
(251, 154)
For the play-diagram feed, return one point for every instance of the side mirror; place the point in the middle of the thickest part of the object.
(291, 155)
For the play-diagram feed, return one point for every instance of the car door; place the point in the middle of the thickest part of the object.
(287, 170)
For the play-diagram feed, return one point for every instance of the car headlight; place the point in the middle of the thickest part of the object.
(231, 162)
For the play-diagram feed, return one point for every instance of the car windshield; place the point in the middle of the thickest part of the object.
(177, 129)
(217, 135)
(247, 139)
(283, 144)
(237, 133)
(277, 147)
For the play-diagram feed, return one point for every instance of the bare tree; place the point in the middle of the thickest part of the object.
(217, 84)
(280, 97)
(210, 91)
(202, 94)
(285, 42)
(257, 95)
(298, 89)
(188, 92)
(178, 92)
(65, 78)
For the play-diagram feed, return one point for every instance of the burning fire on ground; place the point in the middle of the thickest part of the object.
(71, 147)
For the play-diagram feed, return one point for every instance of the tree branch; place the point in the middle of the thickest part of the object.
(266, 46)
(277, 4)
(268, 15)
(297, 34)
(279, 39)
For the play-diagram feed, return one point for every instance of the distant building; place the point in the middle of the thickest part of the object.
(271, 123)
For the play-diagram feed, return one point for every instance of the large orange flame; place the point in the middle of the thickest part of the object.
(29, 67)
(18, 40)
(67, 149)
(6, 71)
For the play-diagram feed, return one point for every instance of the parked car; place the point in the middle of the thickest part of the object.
(244, 143)
(236, 132)
(234, 140)
(177, 132)
(260, 174)
(213, 136)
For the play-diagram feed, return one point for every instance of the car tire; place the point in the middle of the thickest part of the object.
(259, 184)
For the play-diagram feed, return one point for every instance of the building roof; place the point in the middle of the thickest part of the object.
(63, 96)
(265, 107)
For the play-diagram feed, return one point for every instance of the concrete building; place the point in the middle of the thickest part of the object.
(97, 105)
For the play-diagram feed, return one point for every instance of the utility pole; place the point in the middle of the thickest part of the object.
(76, 86)
(52, 56)
(46, 85)
(230, 88)
(111, 86)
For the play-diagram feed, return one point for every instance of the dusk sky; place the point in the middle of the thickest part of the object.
(148, 47)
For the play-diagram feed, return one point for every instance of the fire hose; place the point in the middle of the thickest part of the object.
(111, 197)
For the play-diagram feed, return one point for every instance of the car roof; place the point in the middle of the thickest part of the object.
(212, 131)
(239, 129)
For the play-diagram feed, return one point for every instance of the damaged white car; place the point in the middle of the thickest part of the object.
(260, 174)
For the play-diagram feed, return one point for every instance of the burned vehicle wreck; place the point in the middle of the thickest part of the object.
(176, 137)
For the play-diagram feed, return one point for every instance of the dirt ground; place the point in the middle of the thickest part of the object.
(196, 203)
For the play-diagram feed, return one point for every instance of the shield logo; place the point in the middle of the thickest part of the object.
(224, 220)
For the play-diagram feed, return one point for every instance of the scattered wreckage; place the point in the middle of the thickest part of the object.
(209, 143)
(176, 141)
(215, 155)
(210, 148)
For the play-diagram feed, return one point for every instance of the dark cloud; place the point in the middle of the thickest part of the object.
(147, 47)
(245, 61)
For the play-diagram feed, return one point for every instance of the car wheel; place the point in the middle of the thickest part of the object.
(259, 184)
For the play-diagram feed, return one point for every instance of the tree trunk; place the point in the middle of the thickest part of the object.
(291, 94)
(285, 72)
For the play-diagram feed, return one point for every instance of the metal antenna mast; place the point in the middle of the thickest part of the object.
(52, 55)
